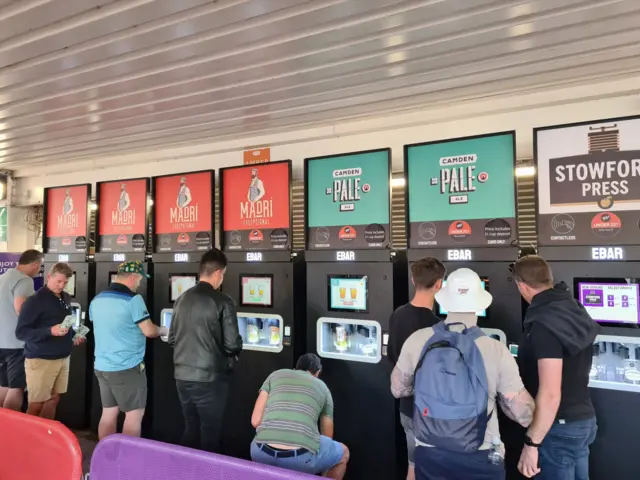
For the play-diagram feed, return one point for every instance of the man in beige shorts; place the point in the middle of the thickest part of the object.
(47, 345)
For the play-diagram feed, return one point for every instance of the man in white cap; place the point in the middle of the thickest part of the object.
(457, 376)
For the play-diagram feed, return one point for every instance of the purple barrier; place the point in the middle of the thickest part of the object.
(118, 457)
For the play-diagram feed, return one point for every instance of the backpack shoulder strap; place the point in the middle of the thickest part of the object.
(473, 333)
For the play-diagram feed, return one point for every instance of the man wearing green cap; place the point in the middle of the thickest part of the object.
(121, 325)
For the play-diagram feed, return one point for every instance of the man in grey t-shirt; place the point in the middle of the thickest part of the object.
(16, 285)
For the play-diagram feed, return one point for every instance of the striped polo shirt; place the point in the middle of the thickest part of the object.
(296, 401)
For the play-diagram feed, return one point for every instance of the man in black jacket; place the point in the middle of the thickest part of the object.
(204, 333)
(555, 356)
(48, 344)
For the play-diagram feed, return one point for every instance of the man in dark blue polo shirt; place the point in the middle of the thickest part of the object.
(122, 325)
(47, 345)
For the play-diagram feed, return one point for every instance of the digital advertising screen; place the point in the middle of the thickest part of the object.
(71, 285)
(483, 313)
(348, 200)
(451, 190)
(180, 284)
(256, 290)
(610, 302)
(588, 182)
(256, 206)
(183, 206)
(122, 215)
(65, 211)
(348, 293)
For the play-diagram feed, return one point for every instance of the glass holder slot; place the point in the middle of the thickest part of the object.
(349, 339)
(261, 332)
(616, 363)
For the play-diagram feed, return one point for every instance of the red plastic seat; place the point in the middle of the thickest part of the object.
(32, 448)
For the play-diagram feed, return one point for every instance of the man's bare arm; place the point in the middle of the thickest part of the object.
(518, 406)
(401, 383)
(548, 397)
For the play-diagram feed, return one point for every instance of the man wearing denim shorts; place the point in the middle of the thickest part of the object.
(286, 417)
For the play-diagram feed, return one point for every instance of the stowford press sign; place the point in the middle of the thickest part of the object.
(589, 183)
(602, 178)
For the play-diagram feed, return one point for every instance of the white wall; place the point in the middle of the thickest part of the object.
(520, 112)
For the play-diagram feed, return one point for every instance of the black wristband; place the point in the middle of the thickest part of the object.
(530, 443)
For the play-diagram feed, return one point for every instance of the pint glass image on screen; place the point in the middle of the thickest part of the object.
(256, 290)
(180, 284)
(348, 293)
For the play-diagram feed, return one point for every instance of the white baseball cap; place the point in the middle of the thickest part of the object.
(463, 293)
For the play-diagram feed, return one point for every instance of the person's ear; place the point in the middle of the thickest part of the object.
(438, 285)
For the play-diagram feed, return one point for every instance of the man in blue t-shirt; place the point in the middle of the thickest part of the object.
(121, 325)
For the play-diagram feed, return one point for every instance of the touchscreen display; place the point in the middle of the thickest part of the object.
(165, 317)
(71, 285)
(611, 302)
(256, 290)
(483, 313)
(180, 284)
(348, 293)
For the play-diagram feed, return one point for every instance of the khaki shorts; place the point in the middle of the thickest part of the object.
(46, 377)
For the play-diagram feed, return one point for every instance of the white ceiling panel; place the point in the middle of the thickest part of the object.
(87, 78)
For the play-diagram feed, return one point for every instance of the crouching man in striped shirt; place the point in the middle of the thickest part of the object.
(286, 417)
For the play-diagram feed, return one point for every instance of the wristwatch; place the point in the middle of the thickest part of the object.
(530, 443)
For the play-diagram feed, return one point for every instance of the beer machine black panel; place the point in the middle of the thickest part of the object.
(66, 240)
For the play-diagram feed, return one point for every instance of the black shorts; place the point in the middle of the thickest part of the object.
(126, 389)
(12, 368)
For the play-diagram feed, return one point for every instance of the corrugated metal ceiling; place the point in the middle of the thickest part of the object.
(86, 78)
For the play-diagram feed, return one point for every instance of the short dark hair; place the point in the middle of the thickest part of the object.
(309, 362)
(427, 271)
(212, 261)
(62, 268)
(30, 256)
(534, 271)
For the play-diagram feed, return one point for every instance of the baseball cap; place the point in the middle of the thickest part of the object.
(132, 267)
(463, 293)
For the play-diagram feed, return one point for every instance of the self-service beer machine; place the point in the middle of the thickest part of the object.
(354, 282)
(122, 221)
(266, 280)
(66, 239)
(183, 219)
(588, 214)
(461, 205)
